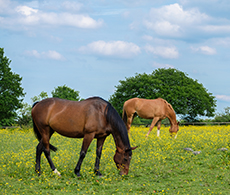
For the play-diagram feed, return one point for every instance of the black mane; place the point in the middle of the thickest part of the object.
(117, 123)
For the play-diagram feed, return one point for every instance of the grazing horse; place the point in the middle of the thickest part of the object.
(88, 119)
(157, 109)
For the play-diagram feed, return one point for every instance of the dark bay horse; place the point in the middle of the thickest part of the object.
(88, 119)
(156, 109)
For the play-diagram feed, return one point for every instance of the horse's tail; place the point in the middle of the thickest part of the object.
(38, 135)
(36, 132)
(124, 116)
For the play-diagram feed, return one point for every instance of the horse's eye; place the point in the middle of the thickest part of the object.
(125, 159)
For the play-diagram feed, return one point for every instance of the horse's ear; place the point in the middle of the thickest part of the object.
(133, 148)
(178, 123)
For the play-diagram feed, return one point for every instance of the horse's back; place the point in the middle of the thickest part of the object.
(145, 108)
(70, 118)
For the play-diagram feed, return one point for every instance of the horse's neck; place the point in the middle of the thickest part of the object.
(172, 117)
(121, 141)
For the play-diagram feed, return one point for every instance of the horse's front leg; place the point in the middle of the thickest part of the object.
(155, 120)
(85, 145)
(100, 142)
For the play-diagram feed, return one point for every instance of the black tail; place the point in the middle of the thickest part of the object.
(124, 116)
(36, 132)
(38, 135)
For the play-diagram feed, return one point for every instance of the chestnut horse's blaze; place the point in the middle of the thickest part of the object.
(157, 109)
(88, 119)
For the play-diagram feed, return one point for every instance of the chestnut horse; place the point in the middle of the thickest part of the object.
(88, 119)
(156, 109)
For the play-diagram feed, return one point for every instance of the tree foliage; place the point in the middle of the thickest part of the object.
(223, 117)
(11, 92)
(40, 97)
(24, 117)
(65, 92)
(24, 114)
(188, 97)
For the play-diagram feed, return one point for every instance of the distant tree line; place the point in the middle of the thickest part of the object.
(188, 97)
(24, 114)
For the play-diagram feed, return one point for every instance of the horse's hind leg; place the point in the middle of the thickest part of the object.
(47, 154)
(39, 150)
(129, 121)
(46, 150)
(100, 142)
(158, 128)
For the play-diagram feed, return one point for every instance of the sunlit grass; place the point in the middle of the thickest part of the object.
(159, 165)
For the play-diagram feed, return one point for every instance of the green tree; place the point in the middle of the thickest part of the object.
(65, 92)
(188, 97)
(40, 97)
(24, 117)
(11, 92)
(223, 117)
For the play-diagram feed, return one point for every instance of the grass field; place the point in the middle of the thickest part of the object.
(158, 166)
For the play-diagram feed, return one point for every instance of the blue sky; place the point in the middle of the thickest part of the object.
(91, 45)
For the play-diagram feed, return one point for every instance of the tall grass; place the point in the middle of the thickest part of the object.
(158, 166)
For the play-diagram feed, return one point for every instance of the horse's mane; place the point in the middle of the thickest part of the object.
(117, 123)
(168, 104)
(114, 119)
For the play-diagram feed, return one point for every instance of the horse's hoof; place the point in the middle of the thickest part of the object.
(98, 173)
(77, 174)
(57, 172)
(38, 172)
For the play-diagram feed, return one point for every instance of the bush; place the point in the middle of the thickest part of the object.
(223, 117)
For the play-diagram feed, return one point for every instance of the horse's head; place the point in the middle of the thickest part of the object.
(174, 129)
(122, 159)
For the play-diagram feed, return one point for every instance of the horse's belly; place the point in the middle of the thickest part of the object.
(68, 129)
(145, 115)
(72, 134)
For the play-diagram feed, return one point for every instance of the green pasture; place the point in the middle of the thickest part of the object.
(158, 166)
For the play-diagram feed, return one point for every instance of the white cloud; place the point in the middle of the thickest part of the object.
(163, 27)
(205, 50)
(159, 65)
(173, 20)
(222, 41)
(147, 38)
(72, 6)
(5, 6)
(162, 51)
(113, 48)
(223, 97)
(51, 54)
(23, 17)
(25, 10)
(220, 29)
